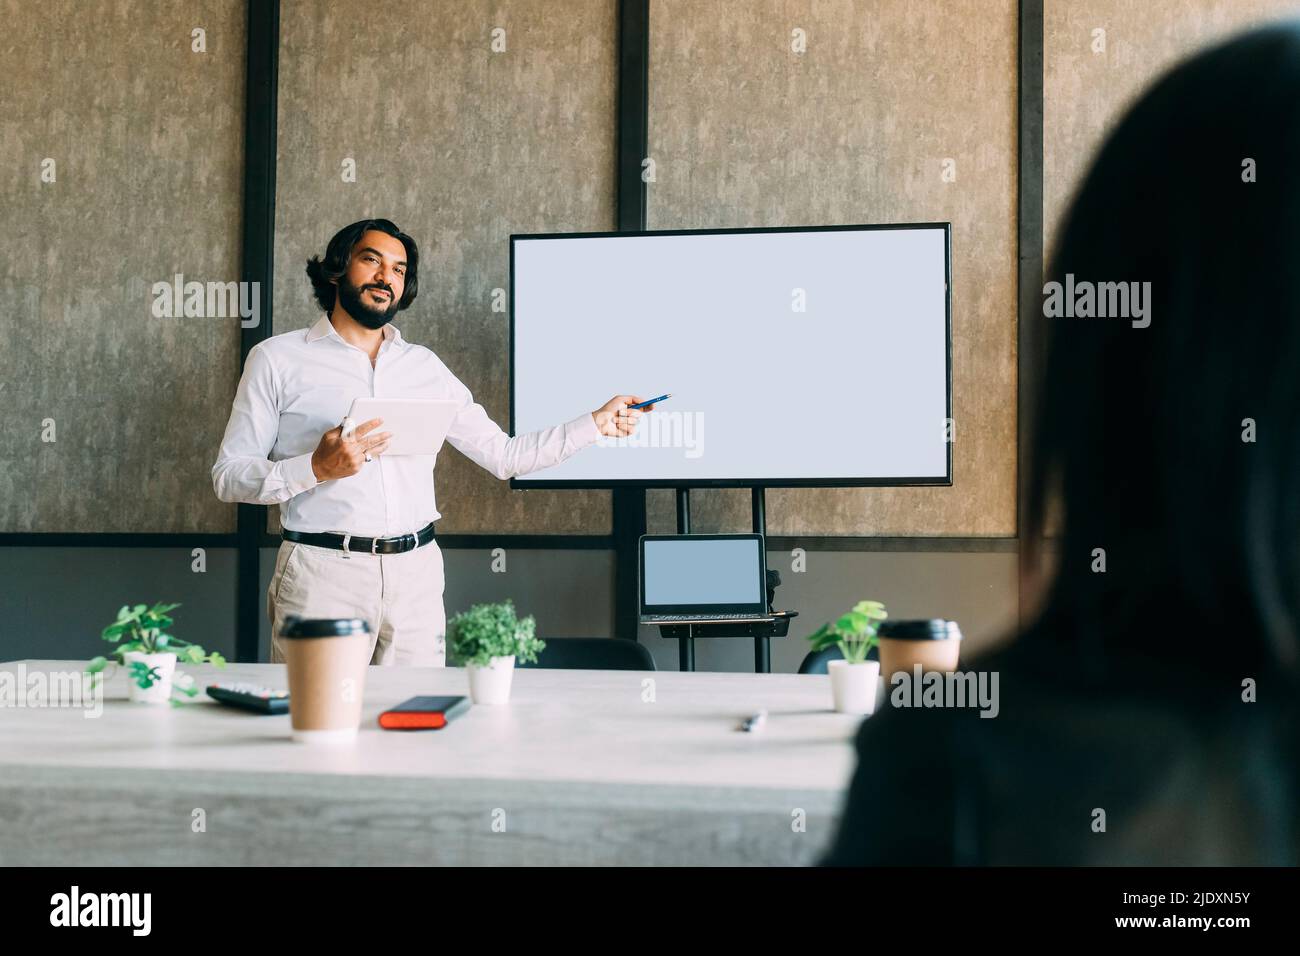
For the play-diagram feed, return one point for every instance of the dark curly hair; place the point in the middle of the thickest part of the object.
(338, 255)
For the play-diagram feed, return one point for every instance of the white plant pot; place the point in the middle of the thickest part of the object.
(491, 684)
(161, 691)
(854, 686)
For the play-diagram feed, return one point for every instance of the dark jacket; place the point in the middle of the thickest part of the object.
(1185, 771)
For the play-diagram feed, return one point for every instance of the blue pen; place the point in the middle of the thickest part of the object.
(652, 401)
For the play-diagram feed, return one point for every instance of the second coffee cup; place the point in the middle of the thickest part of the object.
(934, 644)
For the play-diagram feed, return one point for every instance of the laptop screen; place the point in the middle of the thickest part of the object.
(706, 573)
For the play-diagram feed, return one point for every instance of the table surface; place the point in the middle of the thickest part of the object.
(603, 726)
(622, 746)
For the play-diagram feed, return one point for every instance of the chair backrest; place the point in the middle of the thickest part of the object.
(594, 653)
(816, 661)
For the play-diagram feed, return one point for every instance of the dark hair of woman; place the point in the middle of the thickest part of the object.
(1173, 450)
(1148, 713)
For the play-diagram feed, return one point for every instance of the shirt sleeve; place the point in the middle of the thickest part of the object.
(482, 441)
(243, 471)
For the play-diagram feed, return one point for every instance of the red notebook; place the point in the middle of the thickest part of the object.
(423, 713)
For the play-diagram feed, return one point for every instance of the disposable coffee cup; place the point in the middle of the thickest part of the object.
(327, 660)
(934, 644)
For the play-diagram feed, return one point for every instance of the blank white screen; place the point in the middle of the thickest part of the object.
(854, 387)
(724, 571)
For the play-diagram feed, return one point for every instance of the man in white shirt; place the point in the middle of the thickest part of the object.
(358, 527)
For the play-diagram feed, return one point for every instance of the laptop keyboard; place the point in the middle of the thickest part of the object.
(739, 616)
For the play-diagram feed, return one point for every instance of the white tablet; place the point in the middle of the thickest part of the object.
(419, 425)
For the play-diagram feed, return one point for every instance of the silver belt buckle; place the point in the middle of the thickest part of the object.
(374, 545)
(346, 553)
(415, 540)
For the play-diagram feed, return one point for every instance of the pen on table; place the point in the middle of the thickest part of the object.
(755, 722)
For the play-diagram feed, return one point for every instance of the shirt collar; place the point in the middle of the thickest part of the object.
(324, 328)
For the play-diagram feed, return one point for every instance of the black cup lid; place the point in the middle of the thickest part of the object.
(933, 629)
(324, 627)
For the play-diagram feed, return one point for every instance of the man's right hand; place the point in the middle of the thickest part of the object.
(339, 457)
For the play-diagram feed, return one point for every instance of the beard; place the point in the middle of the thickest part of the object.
(366, 311)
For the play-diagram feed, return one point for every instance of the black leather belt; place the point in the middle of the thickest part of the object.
(351, 542)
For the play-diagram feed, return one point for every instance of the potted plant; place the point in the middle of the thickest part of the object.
(854, 679)
(149, 653)
(488, 639)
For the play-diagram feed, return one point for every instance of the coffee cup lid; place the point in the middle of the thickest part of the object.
(932, 629)
(324, 627)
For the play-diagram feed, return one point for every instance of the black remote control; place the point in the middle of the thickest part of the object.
(261, 700)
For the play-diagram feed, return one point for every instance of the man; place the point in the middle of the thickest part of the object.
(358, 527)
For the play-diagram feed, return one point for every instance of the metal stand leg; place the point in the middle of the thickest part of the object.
(686, 654)
(762, 645)
(685, 646)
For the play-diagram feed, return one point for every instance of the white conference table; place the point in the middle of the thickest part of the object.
(580, 768)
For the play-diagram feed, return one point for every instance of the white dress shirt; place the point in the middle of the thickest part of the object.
(298, 385)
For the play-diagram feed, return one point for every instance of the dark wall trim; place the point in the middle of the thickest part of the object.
(114, 539)
(1029, 245)
(633, 112)
(864, 545)
(261, 100)
(532, 542)
(523, 542)
(629, 516)
(809, 543)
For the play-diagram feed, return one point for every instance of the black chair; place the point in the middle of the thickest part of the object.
(816, 661)
(594, 653)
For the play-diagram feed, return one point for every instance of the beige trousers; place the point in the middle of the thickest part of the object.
(398, 595)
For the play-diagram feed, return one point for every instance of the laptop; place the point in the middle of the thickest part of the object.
(703, 579)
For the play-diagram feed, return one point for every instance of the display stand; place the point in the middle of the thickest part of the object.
(761, 632)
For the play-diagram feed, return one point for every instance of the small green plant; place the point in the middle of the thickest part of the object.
(854, 632)
(143, 629)
(486, 631)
